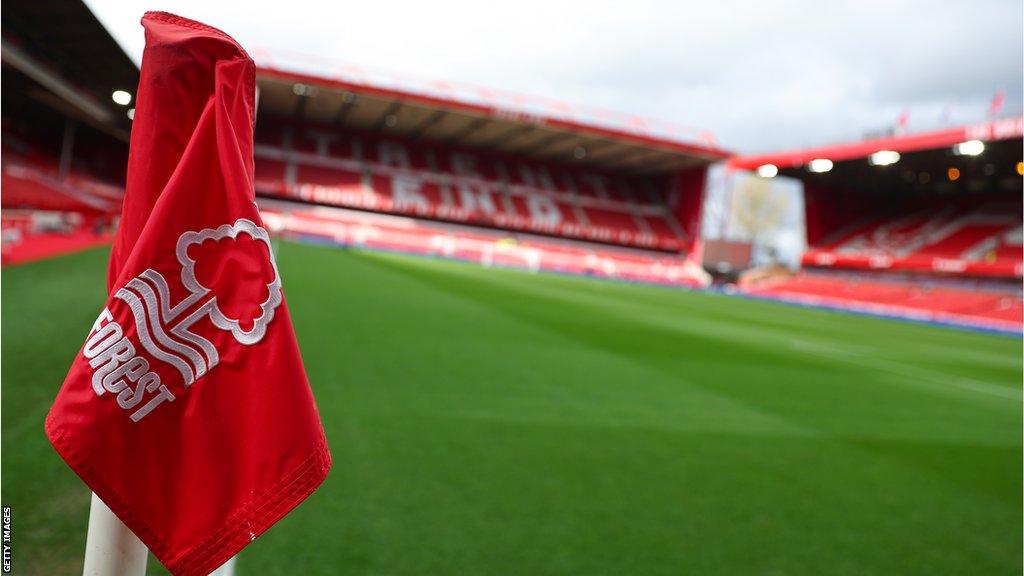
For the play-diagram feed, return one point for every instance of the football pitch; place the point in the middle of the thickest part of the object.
(497, 422)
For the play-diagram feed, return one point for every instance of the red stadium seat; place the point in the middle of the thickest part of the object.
(459, 186)
(999, 308)
(973, 239)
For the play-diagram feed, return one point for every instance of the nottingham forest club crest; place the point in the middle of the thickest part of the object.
(229, 285)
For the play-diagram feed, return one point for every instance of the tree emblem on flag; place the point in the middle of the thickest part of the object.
(194, 285)
(165, 329)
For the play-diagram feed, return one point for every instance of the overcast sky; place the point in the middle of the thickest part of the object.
(759, 75)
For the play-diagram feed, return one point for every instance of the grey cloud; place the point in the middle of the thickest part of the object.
(761, 75)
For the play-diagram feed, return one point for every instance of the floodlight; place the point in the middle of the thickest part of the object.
(884, 158)
(121, 97)
(300, 89)
(969, 148)
(820, 165)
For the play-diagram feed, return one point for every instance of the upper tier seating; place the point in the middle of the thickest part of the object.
(454, 185)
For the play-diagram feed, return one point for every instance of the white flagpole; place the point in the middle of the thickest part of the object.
(226, 569)
(111, 549)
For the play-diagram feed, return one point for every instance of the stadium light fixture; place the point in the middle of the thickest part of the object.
(969, 148)
(820, 165)
(121, 97)
(767, 170)
(953, 174)
(1020, 168)
(884, 158)
(131, 113)
(300, 89)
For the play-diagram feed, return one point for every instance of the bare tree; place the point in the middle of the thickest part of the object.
(757, 209)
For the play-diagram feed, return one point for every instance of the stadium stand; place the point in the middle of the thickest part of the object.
(37, 183)
(367, 158)
(469, 163)
(461, 186)
(64, 143)
(985, 307)
(982, 239)
(936, 213)
(337, 139)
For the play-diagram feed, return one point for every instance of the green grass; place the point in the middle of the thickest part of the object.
(496, 422)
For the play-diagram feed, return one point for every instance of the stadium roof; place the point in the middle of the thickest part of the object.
(996, 130)
(478, 118)
(62, 47)
(978, 158)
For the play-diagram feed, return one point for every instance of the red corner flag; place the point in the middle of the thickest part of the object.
(187, 411)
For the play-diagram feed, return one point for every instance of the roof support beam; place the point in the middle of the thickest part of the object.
(547, 143)
(426, 124)
(633, 158)
(598, 146)
(508, 136)
(382, 122)
(468, 130)
(67, 148)
(78, 99)
(300, 107)
(348, 99)
(668, 163)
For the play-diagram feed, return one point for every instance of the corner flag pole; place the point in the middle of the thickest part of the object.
(110, 547)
